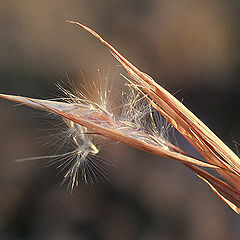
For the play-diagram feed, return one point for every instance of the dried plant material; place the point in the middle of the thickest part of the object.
(193, 129)
(84, 117)
(111, 126)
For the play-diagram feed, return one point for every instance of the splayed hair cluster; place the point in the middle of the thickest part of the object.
(130, 114)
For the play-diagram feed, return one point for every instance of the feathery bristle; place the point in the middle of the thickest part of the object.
(133, 117)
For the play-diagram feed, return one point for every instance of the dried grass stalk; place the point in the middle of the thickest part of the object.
(192, 128)
(216, 153)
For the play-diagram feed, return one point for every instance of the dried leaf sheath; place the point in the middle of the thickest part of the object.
(193, 129)
(219, 156)
(203, 139)
(95, 121)
(107, 127)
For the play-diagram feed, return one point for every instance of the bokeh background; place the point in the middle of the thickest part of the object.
(187, 45)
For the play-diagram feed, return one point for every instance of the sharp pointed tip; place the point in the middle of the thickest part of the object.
(6, 96)
(77, 23)
(73, 22)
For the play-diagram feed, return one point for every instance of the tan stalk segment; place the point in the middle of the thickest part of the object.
(229, 203)
(93, 122)
(219, 156)
(63, 109)
(218, 186)
(222, 187)
(193, 129)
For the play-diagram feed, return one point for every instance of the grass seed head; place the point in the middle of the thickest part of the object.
(132, 116)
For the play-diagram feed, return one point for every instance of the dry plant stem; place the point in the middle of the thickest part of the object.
(218, 155)
(206, 142)
(92, 122)
(193, 129)
(219, 187)
(218, 184)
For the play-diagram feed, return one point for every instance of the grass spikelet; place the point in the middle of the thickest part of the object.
(195, 131)
(138, 122)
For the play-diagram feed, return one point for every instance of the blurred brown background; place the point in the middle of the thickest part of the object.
(190, 45)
